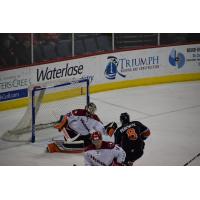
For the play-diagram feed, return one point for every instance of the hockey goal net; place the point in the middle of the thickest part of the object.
(46, 103)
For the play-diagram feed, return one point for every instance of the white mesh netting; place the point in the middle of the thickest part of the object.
(50, 103)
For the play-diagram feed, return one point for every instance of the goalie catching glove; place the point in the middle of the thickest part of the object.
(110, 128)
(61, 123)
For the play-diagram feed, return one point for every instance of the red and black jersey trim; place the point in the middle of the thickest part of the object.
(105, 145)
(83, 112)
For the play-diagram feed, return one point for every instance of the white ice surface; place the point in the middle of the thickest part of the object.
(171, 111)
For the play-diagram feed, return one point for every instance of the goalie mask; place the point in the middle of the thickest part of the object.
(91, 108)
(61, 123)
(124, 118)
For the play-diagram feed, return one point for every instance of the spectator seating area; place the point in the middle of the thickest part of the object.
(85, 44)
(15, 48)
(49, 46)
(134, 40)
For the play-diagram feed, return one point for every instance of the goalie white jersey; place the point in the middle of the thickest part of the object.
(82, 123)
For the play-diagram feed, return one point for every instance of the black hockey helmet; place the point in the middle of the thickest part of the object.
(124, 118)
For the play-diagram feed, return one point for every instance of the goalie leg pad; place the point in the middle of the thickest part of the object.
(65, 147)
(51, 148)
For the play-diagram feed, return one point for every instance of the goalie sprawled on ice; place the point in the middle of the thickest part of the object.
(77, 127)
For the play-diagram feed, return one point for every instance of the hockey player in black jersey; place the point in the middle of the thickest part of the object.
(130, 136)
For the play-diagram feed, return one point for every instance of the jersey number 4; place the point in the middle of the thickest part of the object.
(132, 135)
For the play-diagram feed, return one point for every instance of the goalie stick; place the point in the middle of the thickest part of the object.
(187, 163)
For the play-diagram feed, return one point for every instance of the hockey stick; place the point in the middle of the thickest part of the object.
(187, 163)
(69, 139)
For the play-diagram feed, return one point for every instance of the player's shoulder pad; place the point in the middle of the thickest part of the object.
(137, 123)
(90, 147)
(141, 125)
(95, 117)
(107, 145)
(79, 112)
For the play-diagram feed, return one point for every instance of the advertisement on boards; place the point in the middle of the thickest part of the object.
(185, 58)
(14, 84)
(154, 62)
(64, 70)
(131, 65)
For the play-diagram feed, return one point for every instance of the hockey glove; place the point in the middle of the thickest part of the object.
(145, 134)
(61, 123)
(110, 128)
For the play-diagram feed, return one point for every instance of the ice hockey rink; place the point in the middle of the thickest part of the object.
(171, 111)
